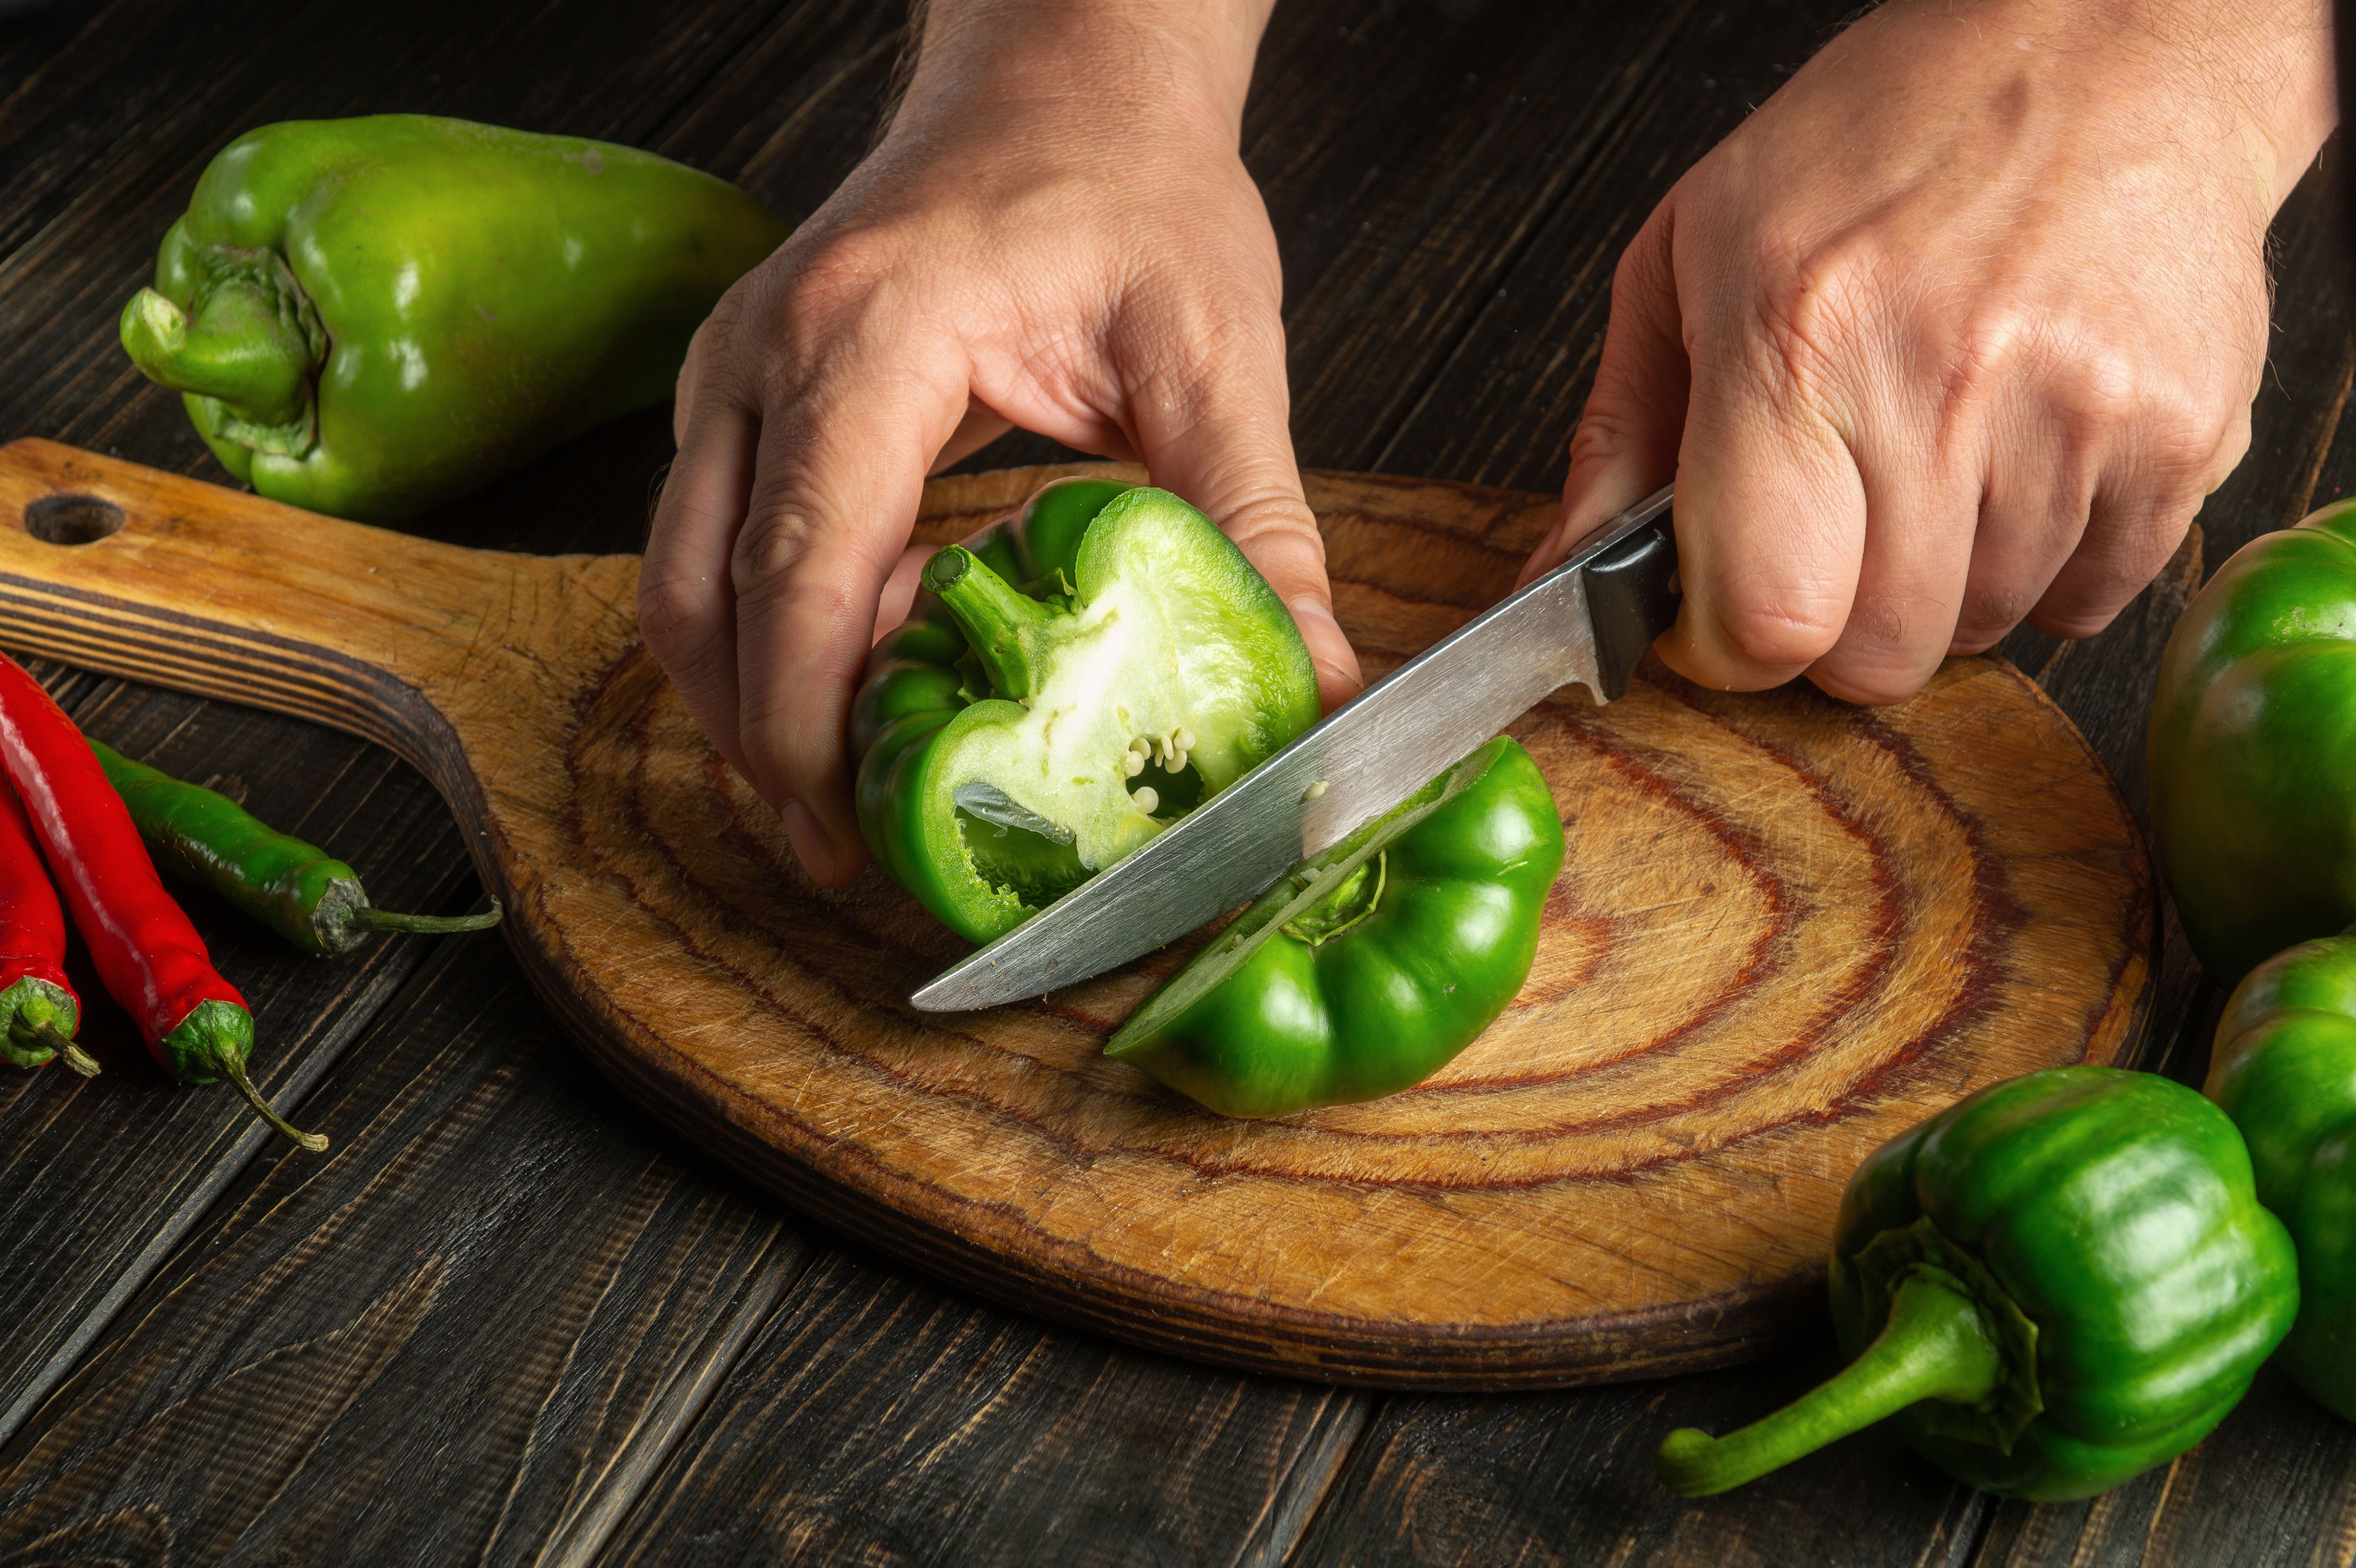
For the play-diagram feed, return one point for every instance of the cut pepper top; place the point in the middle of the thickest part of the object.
(1075, 680)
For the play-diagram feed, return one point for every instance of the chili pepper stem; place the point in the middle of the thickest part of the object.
(72, 1055)
(1936, 1345)
(369, 919)
(1008, 630)
(234, 1070)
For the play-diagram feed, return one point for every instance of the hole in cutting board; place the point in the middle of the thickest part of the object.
(71, 517)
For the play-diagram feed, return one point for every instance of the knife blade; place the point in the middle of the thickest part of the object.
(1586, 622)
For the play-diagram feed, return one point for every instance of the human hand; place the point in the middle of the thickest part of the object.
(1055, 233)
(1959, 328)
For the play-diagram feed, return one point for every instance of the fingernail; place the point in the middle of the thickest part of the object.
(811, 842)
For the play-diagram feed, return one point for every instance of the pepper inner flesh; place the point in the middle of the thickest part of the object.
(1081, 772)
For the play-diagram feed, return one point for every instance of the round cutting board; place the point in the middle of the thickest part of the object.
(1786, 930)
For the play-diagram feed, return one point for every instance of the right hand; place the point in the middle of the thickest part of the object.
(1057, 233)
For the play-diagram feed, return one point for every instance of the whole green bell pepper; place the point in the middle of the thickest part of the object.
(369, 316)
(1370, 966)
(1070, 683)
(2053, 1286)
(2285, 1069)
(2252, 748)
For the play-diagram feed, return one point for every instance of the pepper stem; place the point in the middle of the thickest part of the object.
(1009, 631)
(72, 1055)
(1936, 1345)
(234, 1070)
(369, 919)
(211, 1043)
(240, 348)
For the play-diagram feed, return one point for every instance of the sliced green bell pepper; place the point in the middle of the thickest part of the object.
(1370, 966)
(369, 316)
(1069, 683)
(2284, 1070)
(2053, 1286)
(2252, 748)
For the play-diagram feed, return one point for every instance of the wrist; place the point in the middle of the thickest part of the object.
(2264, 67)
(1182, 64)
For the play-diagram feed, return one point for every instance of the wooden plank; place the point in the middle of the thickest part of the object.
(1481, 1482)
(879, 1418)
(1501, 407)
(1406, 195)
(2275, 1486)
(462, 1336)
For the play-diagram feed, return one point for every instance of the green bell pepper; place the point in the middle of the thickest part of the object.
(2053, 1286)
(370, 316)
(1069, 683)
(2284, 1070)
(1370, 966)
(2252, 748)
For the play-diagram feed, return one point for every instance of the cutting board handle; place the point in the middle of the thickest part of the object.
(164, 579)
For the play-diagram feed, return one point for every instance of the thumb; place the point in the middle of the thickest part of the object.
(1217, 434)
(1626, 444)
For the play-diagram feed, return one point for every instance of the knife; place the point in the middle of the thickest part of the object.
(1588, 621)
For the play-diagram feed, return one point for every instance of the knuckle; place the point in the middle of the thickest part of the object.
(1979, 356)
(2095, 393)
(1610, 427)
(1273, 518)
(774, 539)
(671, 613)
(2186, 446)
(1814, 298)
(1991, 610)
(833, 273)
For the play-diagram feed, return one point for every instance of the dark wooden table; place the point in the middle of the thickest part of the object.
(511, 1320)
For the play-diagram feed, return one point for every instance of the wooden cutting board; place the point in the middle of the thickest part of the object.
(1786, 930)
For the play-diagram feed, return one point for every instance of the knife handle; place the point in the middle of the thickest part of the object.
(1632, 598)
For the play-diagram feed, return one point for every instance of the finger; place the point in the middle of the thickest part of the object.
(686, 602)
(2033, 509)
(1215, 431)
(1626, 443)
(840, 474)
(2152, 487)
(980, 427)
(1919, 515)
(699, 350)
(900, 589)
(1771, 518)
(1915, 559)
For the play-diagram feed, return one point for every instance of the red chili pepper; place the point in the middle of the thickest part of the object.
(38, 1010)
(151, 959)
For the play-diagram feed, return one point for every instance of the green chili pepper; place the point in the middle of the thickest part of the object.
(2253, 747)
(1071, 682)
(1371, 966)
(372, 316)
(2284, 1070)
(2053, 1286)
(303, 893)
